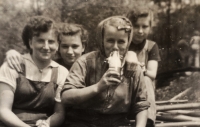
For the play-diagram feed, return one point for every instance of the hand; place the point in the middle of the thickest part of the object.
(109, 79)
(131, 62)
(14, 59)
(42, 123)
(143, 66)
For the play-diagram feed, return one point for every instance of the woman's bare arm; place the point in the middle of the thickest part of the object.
(6, 102)
(151, 70)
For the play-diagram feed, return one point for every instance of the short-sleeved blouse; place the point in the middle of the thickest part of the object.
(10, 76)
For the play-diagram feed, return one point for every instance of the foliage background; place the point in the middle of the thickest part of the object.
(174, 20)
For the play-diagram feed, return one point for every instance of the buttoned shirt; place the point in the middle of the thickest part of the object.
(129, 96)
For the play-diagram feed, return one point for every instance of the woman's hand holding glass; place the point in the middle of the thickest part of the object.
(109, 79)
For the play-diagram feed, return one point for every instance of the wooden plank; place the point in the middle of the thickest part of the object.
(170, 101)
(178, 124)
(178, 106)
(185, 92)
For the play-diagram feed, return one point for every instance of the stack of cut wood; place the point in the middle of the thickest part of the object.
(178, 113)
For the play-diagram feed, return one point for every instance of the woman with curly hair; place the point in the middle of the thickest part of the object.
(72, 40)
(34, 93)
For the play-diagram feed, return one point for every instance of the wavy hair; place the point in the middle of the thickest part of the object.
(139, 12)
(35, 26)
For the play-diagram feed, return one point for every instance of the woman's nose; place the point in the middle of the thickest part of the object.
(115, 46)
(70, 50)
(140, 30)
(46, 45)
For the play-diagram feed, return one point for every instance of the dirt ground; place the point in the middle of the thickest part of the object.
(177, 84)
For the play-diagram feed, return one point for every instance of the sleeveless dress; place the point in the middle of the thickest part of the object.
(34, 100)
(150, 85)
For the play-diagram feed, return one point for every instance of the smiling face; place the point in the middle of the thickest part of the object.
(141, 29)
(71, 48)
(115, 39)
(44, 46)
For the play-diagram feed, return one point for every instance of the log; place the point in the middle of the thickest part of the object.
(177, 118)
(184, 112)
(182, 93)
(170, 101)
(178, 106)
(178, 124)
(158, 121)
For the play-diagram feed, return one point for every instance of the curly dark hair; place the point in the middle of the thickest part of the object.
(138, 12)
(35, 26)
(70, 29)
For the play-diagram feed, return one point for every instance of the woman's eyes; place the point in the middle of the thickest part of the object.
(136, 26)
(51, 41)
(43, 41)
(121, 42)
(110, 41)
(64, 46)
(144, 27)
(75, 46)
(40, 40)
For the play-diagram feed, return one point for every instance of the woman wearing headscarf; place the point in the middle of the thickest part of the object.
(99, 95)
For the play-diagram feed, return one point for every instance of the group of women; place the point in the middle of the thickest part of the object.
(30, 90)
(31, 84)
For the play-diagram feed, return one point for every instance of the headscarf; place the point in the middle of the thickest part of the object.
(121, 23)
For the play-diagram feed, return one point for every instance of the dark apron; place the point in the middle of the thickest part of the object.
(150, 85)
(34, 100)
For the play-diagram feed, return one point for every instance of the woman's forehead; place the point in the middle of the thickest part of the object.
(75, 39)
(49, 34)
(111, 31)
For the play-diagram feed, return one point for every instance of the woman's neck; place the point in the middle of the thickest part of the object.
(67, 65)
(41, 64)
(137, 42)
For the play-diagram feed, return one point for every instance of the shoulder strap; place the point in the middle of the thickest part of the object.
(146, 45)
(23, 69)
(150, 45)
(54, 75)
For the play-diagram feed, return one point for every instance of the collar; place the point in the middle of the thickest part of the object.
(29, 58)
(137, 47)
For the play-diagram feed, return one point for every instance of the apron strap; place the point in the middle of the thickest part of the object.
(54, 75)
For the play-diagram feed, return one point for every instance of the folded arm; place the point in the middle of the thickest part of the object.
(56, 119)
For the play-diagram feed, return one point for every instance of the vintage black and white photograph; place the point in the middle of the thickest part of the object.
(100, 63)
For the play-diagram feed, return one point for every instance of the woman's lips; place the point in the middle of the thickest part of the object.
(139, 36)
(70, 57)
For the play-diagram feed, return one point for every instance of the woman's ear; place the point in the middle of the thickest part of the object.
(30, 43)
(83, 48)
(57, 47)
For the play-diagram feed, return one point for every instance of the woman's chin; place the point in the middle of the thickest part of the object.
(70, 62)
(138, 40)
